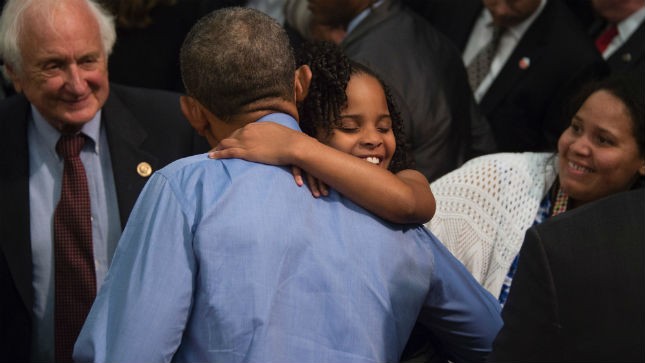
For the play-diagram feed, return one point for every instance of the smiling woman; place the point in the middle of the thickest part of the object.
(599, 152)
(485, 207)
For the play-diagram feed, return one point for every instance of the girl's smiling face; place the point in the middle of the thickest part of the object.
(598, 153)
(365, 129)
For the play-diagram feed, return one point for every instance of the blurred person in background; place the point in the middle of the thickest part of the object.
(619, 34)
(525, 59)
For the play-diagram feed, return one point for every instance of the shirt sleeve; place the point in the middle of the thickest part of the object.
(141, 310)
(462, 316)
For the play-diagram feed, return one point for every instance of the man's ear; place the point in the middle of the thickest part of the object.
(194, 112)
(303, 80)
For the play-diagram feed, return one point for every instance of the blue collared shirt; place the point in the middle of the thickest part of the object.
(230, 261)
(46, 173)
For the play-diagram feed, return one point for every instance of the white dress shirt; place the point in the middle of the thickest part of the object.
(481, 35)
(626, 28)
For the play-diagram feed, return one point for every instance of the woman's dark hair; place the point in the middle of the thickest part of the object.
(629, 88)
(321, 109)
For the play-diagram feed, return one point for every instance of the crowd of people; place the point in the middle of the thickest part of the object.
(322, 180)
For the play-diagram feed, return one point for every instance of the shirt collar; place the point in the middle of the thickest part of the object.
(628, 26)
(282, 119)
(91, 129)
(361, 16)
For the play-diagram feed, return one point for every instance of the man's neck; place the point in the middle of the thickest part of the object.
(262, 108)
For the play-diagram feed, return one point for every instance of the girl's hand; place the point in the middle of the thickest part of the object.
(269, 143)
(262, 142)
(316, 186)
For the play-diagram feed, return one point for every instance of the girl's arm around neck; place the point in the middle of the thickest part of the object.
(404, 197)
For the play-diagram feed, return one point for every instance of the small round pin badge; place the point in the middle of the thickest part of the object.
(524, 63)
(144, 169)
(627, 57)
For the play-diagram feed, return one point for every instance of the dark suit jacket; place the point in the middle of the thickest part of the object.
(141, 125)
(427, 76)
(631, 55)
(578, 294)
(524, 106)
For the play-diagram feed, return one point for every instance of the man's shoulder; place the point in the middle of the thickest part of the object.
(613, 224)
(247, 178)
(190, 165)
(12, 104)
(183, 164)
(620, 210)
(185, 170)
(13, 120)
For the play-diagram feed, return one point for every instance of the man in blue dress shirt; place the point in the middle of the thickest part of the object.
(230, 261)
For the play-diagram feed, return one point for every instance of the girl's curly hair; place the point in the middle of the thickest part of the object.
(321, 109)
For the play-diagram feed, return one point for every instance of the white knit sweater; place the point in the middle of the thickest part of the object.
(485, 207)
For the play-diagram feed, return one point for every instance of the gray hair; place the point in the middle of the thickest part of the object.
(235, 56)
(12, 23)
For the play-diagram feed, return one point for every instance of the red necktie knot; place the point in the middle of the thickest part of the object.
(69, 146)
(602, 42)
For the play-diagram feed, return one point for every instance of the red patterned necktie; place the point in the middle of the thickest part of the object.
(75, 279)
(602, 42)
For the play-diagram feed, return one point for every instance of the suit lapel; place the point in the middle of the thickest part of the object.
(127, 141)
(530, 49)
(631, 52)
(377, 16)
(14, 196)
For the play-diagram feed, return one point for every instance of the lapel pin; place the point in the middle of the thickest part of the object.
(144, 169)
(524, 63)
(627, 57)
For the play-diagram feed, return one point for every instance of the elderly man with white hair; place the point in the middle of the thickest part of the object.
(62, 215)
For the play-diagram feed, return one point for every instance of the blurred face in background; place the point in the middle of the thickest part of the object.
(508, 13)
(616, 11)
(598, 152)
(336, 12)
